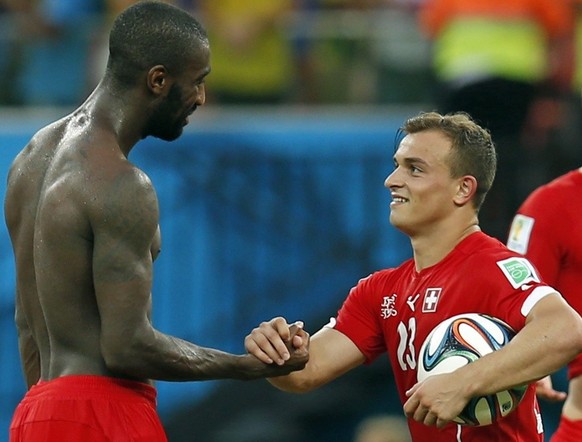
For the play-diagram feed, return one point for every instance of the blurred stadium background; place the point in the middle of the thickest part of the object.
(272, 203)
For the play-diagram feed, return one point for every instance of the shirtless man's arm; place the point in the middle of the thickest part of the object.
(29, 354)
(122, 274)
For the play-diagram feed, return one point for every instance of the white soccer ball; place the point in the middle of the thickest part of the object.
(458, 341)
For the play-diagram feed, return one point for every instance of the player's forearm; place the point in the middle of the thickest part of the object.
(164, 357)
(495, 373)
(290, 383)
(331, 354)
(547, 343)
(302, 381)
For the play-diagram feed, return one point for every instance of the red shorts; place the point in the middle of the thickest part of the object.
(88, 409)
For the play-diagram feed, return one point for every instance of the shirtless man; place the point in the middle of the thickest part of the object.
(84, 227)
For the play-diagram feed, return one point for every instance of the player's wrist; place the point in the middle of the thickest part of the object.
(472, 381)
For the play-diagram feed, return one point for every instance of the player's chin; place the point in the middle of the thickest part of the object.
(398, 220)
(172, 135)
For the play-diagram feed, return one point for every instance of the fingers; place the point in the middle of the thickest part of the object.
(546, 391)
(268, 341)
(416, 411)
(412, 390)
(301, 339)
(281, 328)
(551, 395)
(441, 423)
(432, 420)
(294, 329)
(410, 406)
(423, 413)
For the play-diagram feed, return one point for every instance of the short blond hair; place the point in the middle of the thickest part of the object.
(472, 149)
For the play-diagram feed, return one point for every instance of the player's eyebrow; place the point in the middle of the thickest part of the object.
(203, 74)
(410, 160)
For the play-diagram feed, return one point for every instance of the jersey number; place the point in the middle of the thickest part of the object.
(406, 351)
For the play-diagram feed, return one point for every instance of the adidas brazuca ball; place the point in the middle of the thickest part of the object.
(458, 341)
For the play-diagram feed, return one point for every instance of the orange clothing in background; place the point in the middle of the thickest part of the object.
(520, 40)
(554, 15)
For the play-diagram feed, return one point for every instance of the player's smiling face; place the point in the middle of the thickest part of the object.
(421, 186)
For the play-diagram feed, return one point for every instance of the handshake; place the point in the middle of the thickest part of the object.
(281, 347)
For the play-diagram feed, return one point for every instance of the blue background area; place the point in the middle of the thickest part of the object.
(262, 214)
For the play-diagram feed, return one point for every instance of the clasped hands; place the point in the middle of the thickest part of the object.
(277, 342)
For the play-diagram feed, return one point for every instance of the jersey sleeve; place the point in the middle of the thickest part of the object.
(356, 318)
(514, 288)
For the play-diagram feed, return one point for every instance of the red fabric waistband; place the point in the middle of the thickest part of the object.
(91, 385)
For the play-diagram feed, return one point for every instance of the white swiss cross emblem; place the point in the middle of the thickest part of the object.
(431, 299)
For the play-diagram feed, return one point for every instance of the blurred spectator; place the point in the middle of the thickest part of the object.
(19, 19)
(354, 78)
(401, 53)
(382, 428)
(492, 59)
(9, 50)
(568, 131)
(46, 43)
(252, 54)
(553, 126)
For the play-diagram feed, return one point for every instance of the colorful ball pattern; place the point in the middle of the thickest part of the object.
(460, 340)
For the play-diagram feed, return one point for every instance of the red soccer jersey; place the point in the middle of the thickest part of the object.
(394, 310)
(548, 230)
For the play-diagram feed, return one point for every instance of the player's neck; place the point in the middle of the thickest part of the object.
(116, 114)
(431, 248)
